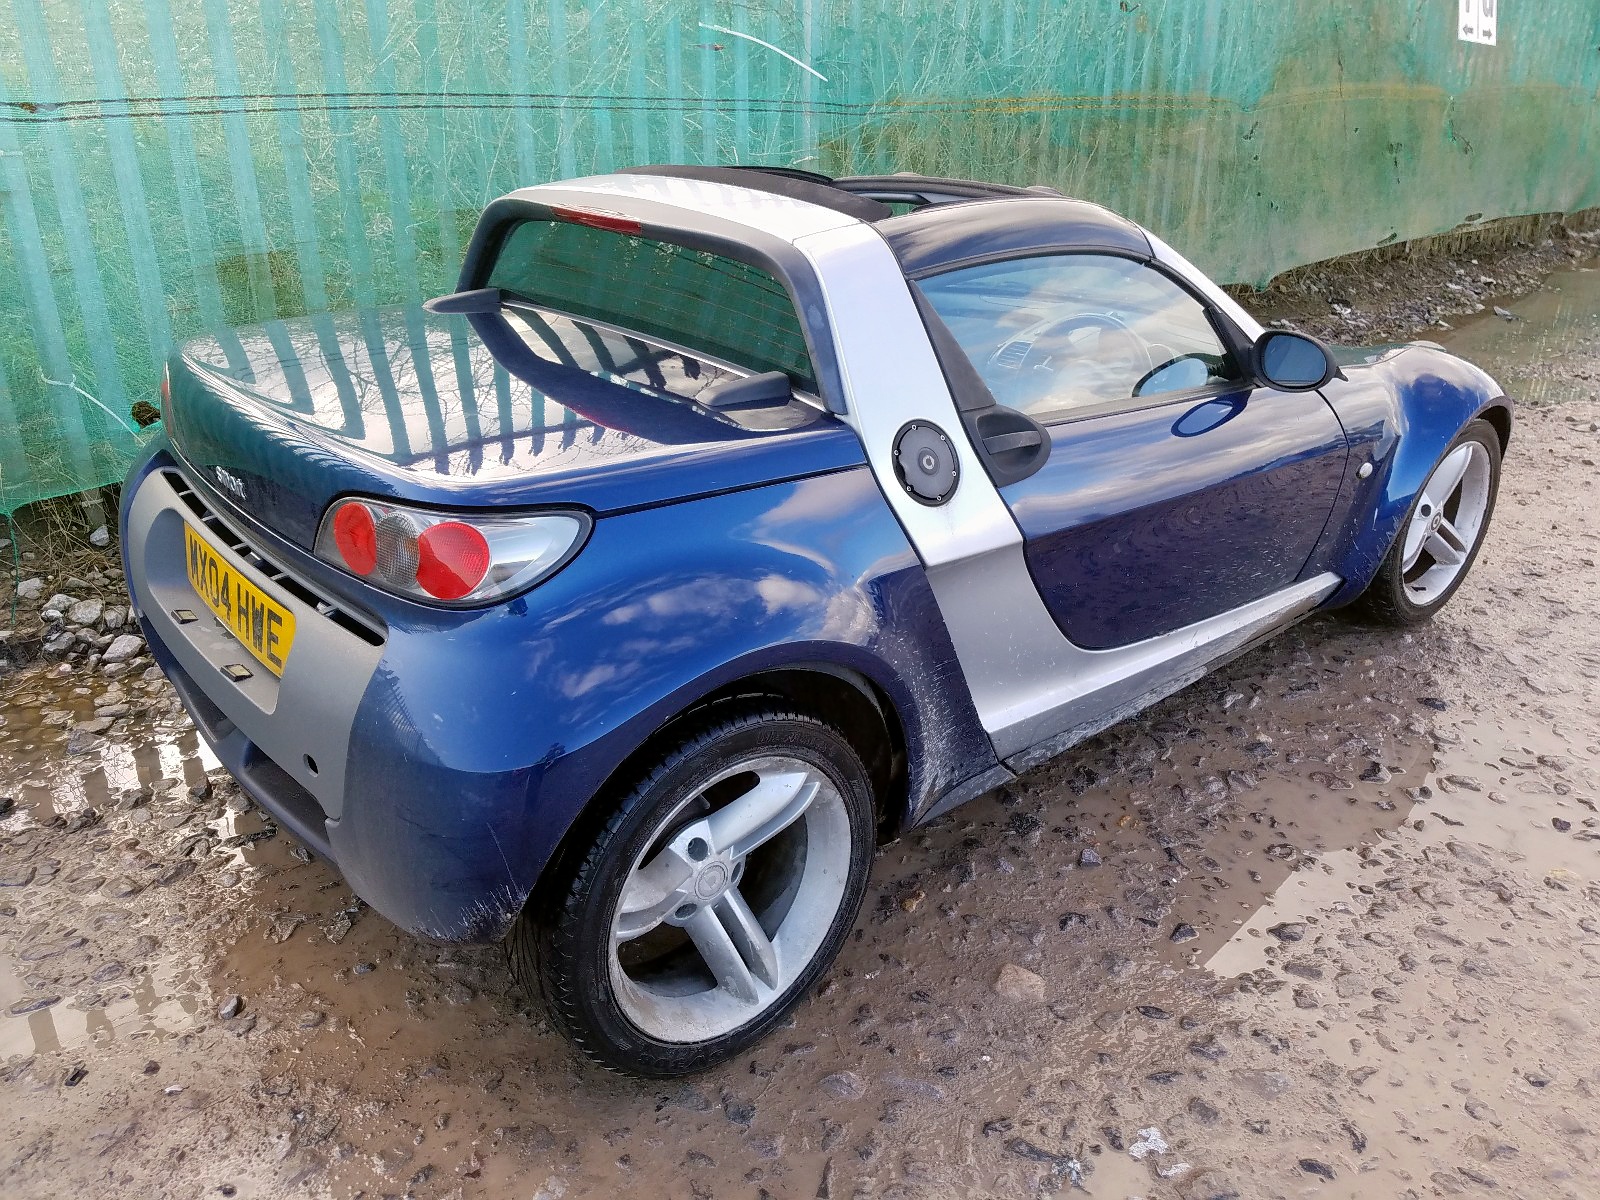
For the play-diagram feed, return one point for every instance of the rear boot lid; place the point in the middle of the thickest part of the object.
(281, 418)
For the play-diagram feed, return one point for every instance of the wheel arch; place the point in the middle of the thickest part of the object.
(848, 699)
(1422, 451)
(1498, 413)
(1401, 413)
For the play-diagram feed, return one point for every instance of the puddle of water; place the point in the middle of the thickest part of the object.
(102, 999)
(1553, 343)
(1189, 823)
(1505, 788)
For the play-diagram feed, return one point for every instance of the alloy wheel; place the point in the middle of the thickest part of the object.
(1446, 523)
(730, 900)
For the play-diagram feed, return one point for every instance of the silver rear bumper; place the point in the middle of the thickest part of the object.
(301, 722)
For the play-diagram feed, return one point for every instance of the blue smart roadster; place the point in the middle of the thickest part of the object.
(728, 522)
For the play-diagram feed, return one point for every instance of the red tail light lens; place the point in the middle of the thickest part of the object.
(450, 559)
(355, 534)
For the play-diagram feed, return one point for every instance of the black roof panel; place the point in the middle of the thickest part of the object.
(778, 181)
(956, 221)
(934, 189)
(942, 235)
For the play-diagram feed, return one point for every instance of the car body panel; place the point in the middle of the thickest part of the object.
(1228, 501)
(482, 738)
(401, 403)
(1401, 407)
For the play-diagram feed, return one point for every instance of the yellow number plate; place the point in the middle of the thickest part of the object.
(264, 626)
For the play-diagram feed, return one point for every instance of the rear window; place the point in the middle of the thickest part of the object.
(700, 301)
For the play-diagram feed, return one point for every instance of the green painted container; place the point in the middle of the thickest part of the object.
(168, 169)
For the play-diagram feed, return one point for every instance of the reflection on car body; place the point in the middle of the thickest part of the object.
(725, 522)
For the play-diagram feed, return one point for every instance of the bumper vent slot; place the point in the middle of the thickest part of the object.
(229, 537)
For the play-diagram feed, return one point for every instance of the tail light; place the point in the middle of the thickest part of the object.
(447, 558)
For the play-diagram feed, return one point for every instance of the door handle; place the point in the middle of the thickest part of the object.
(1012, 444)
(1021, 439)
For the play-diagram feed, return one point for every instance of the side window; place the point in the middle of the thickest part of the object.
(1066, 332)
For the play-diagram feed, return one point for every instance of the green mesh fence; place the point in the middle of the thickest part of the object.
(168, 168)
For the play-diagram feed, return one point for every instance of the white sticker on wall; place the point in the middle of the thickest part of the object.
(1479, 19)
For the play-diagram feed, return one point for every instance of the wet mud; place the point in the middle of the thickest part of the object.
(1325, 924)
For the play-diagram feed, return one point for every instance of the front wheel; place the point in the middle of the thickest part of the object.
(1442, 533)
(711, 900)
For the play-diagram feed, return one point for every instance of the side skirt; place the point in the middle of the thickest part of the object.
(1131, 679)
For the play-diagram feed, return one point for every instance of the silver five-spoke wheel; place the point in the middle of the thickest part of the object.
(730, 900)
(1439, 541)
(700, 912)
(1446, 522)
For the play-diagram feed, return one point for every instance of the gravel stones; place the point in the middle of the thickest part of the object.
(1019, 985)
(1349, 985)
(123, 647)
(1267, 1085)
(844, 1085)
(85, 612)
(175, 872)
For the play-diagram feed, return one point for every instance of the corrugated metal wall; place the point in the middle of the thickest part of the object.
(170, 168)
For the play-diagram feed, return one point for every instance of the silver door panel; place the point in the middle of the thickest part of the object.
(1030, 685)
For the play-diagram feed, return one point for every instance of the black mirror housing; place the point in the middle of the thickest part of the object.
(1292, 362)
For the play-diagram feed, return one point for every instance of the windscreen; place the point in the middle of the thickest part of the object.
(700, 301)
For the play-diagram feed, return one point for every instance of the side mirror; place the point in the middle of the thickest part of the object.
(1181, 374)
(1293, 362)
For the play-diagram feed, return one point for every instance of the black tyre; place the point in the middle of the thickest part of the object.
(711, 900)
(1442, 533)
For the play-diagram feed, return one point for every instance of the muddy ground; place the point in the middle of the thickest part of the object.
(1325, 924)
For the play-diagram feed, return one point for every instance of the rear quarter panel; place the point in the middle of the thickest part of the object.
(511, 721)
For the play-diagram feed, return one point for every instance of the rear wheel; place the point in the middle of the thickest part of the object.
(1442, 533)
(712, 899)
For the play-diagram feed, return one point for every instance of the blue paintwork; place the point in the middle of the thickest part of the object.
(1145, 521)
(1401, 407)
(406, 404)
(484, 733)
(719, 551)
